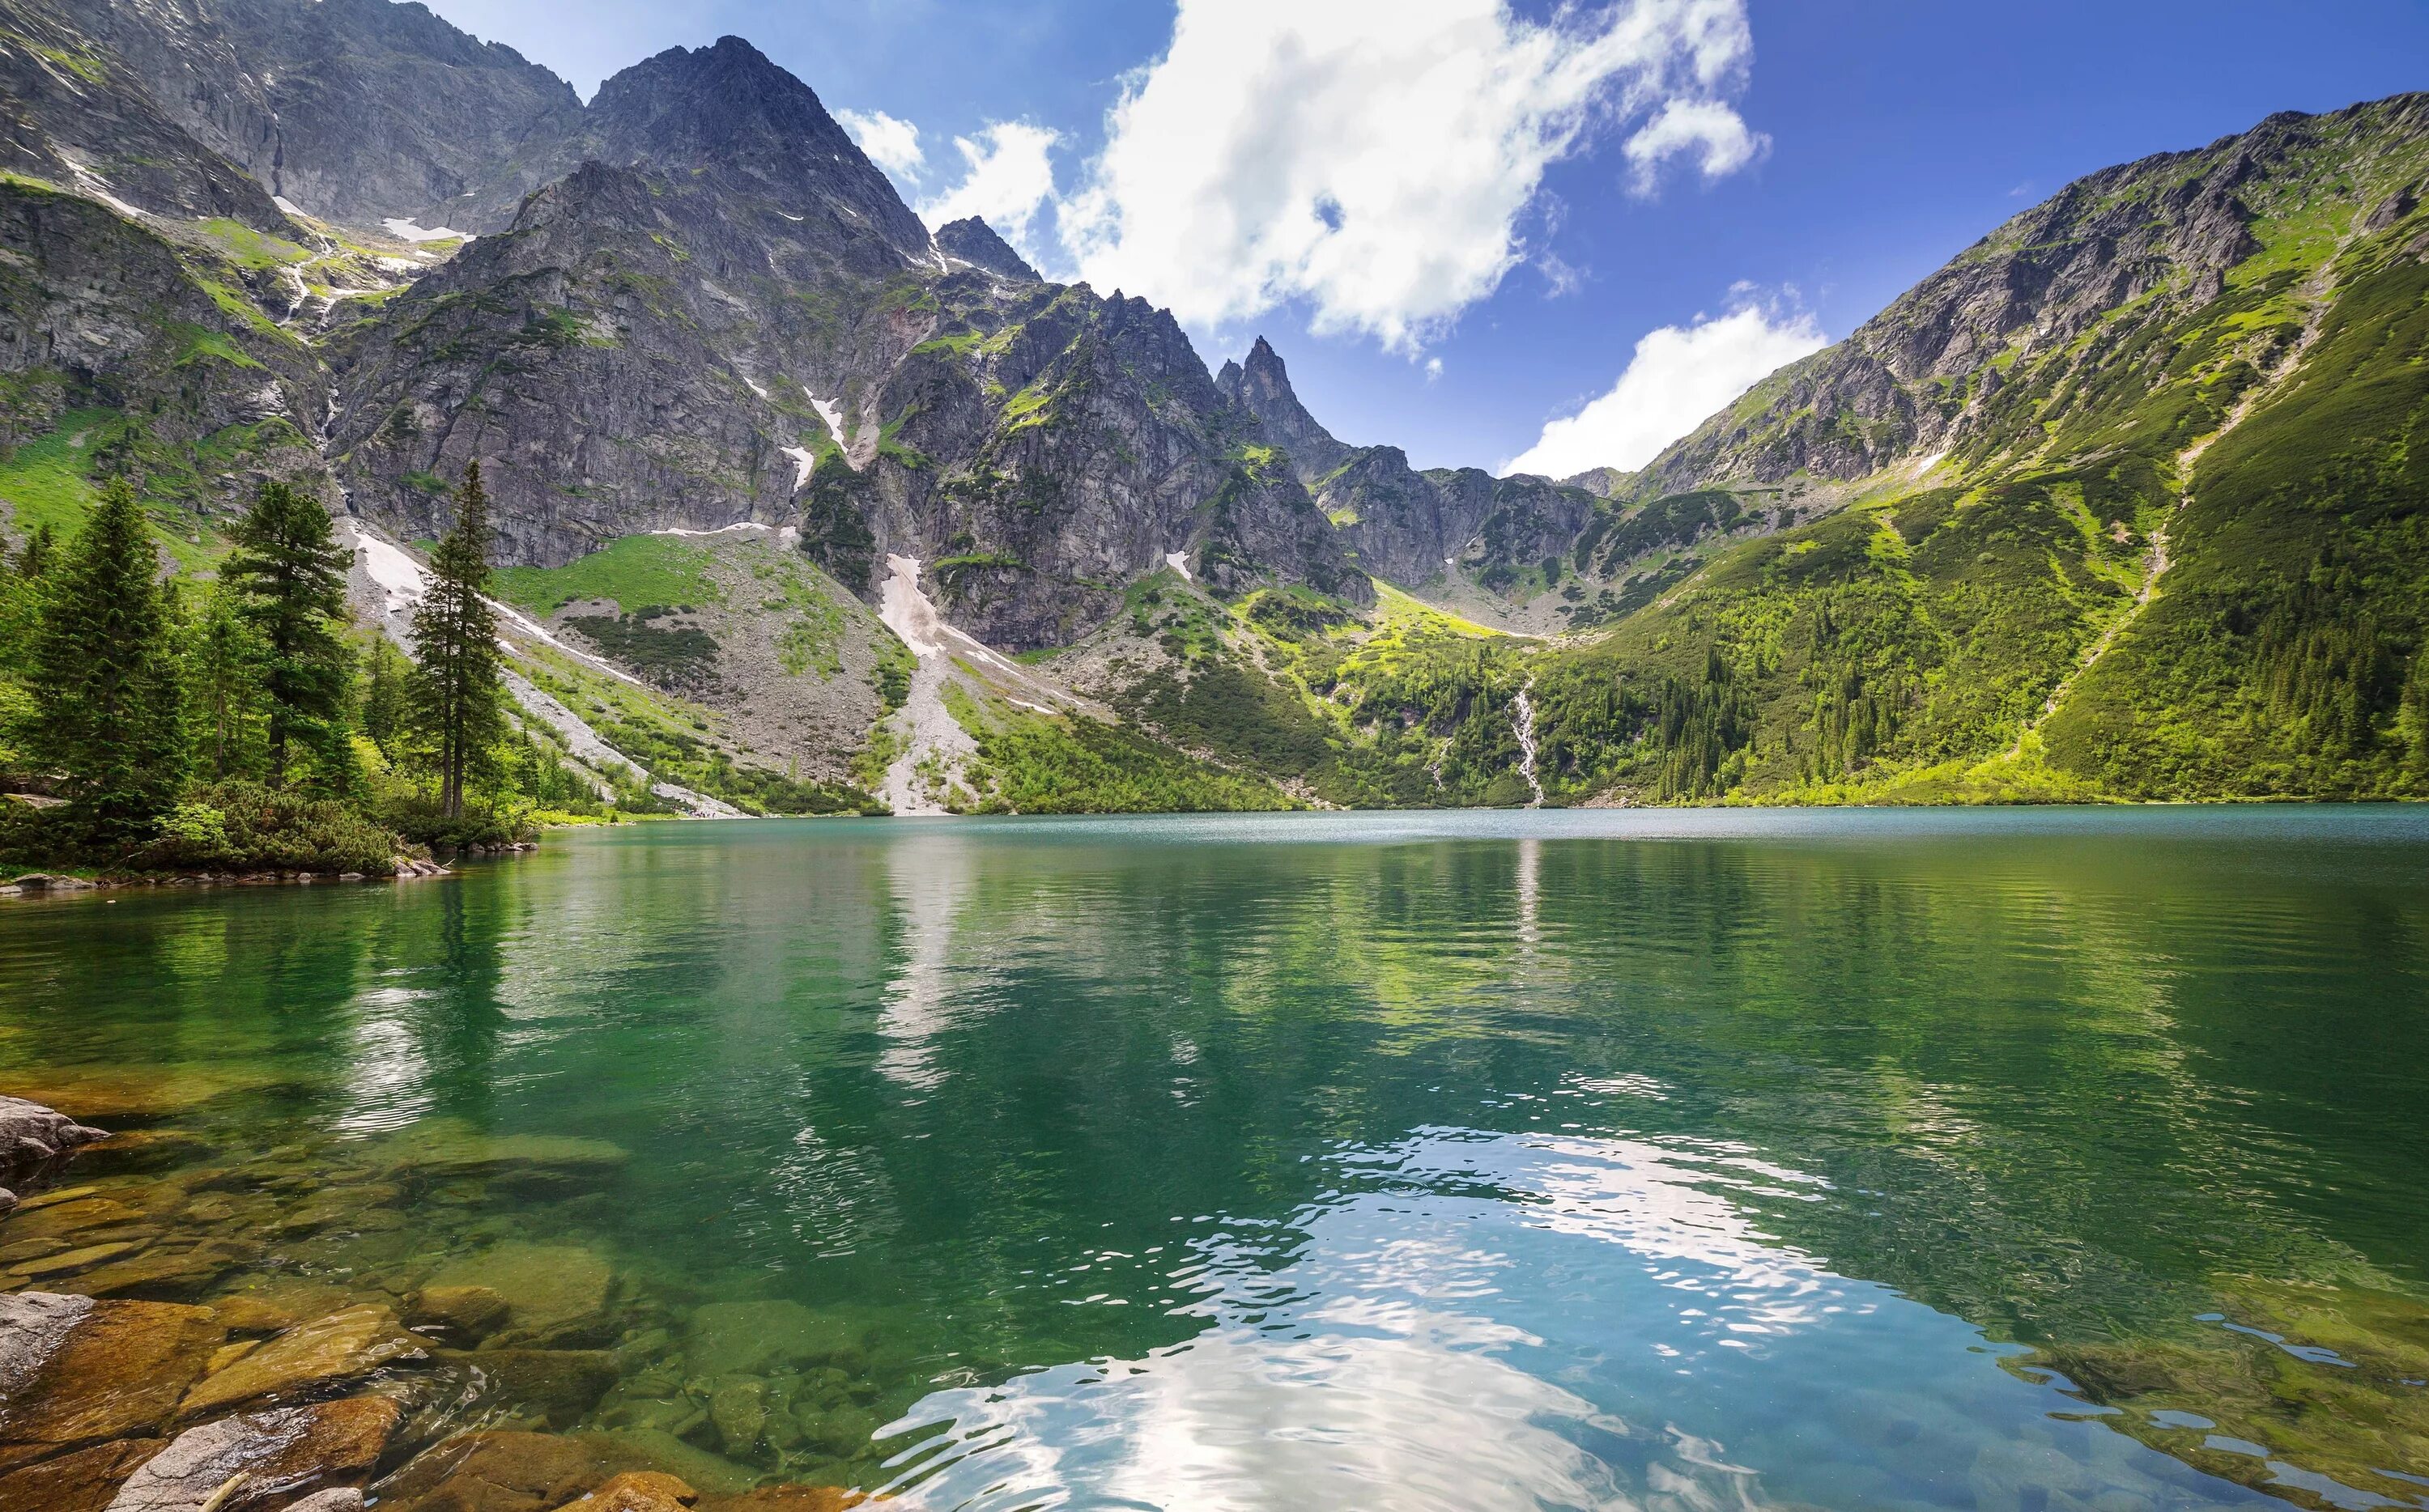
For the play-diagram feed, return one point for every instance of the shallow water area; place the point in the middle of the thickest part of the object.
(2001, 1159)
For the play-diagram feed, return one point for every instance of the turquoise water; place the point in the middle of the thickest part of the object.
(2030, 1160)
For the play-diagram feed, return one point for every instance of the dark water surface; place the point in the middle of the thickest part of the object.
(2034, 1159)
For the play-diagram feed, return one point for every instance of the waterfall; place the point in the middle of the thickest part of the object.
(1522, 719)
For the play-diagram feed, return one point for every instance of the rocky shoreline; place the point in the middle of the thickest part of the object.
(154, 1358)
(408, 869)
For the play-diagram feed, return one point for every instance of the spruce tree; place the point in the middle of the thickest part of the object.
(105, 679)
(459, 703)
(223, 686)
(388, 698)
(292, 575)
(40, 546)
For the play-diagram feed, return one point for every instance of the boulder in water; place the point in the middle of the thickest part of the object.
(343, 1346)
(74, 1371)
(278, 1453)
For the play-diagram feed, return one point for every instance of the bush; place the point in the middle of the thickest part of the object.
(247, 827)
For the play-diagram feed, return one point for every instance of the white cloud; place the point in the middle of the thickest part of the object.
(1687, 127)
(1679, 377)
(891, 143)
(1374, 158)
(1010, 177)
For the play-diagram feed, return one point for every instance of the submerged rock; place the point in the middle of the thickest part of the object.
(758, 1337)
(77, 1371)
(560, 1385)
(472, 1313)
(554, 1294)
(438, 1151)
(278, 1453)
(343, 1346)
(493, 1471)
(82, 1480)
(639, 1491)
(784, 1499)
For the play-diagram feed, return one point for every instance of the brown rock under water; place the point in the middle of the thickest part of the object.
(85, 1480)
(342, 1346)
(116, 1372)
(490, 1472)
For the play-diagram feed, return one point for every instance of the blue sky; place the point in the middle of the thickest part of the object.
(1474, 249)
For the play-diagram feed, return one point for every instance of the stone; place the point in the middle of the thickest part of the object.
(70, 1262)
(76, 1372)
(641, 1490)
(335, 1498)
(162, 1274)
(655, 1449)
(73, 1221)
(495, 1471)
(561, 1385)
(472, 1313)
(278, 1453)
(272, 1304)
(81, 1481)
(739, 1409)
(760, 1338)
(54, 1197)
(440, 1150)
(784, 1499)
(549, 1289)
(342, 1346)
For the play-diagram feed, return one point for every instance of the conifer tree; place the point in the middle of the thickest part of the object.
(291, 574)
(459, 701)
(222, 686)
(104, 677)
(388, 696)
(36, 554)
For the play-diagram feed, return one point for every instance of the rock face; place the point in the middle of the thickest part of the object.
(75, 117)
(2082, 280)
(975, 242)
(1404, 525)
(353, 110)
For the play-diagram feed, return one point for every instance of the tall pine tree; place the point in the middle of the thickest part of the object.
(105, 679)
(459, 704)
(291, 576)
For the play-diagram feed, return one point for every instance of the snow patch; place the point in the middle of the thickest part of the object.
(803, 461)
(405, 229)
(739, 525)
(908, 612)
(1179, 562)
(286, 206)
(403, 580)
(1930, 462)
(753, 385)
(830, 410)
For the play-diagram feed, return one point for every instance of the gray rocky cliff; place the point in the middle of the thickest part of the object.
(78, 117)
(353, 110)
(974, 241)
(1406, 526)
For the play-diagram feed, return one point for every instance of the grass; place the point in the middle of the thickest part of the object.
(635, 573)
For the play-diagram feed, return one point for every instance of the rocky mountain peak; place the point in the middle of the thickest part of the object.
(729, 108)
(1261, 384)
(975, 242)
